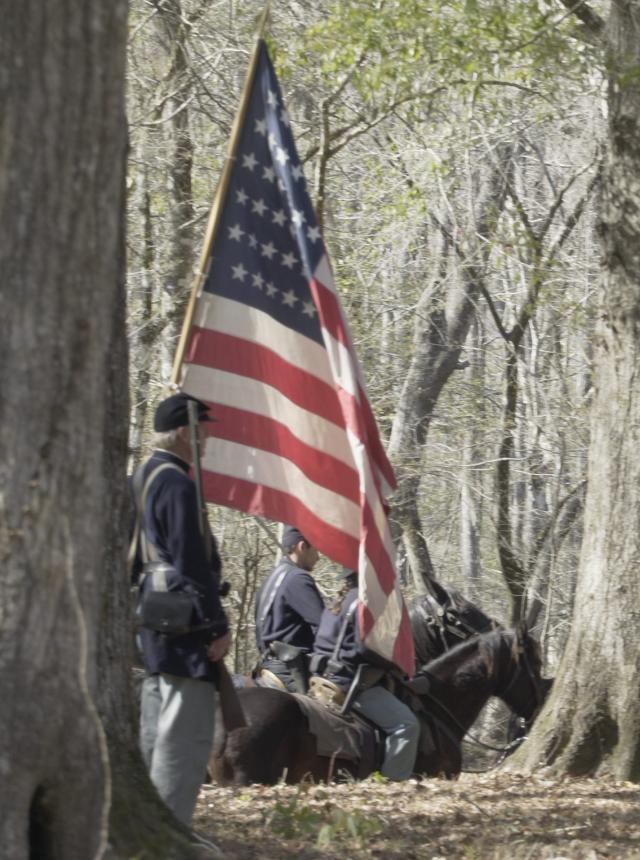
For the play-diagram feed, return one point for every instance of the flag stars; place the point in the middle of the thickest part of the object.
(282, 156)
(272, 98)
(259, 207)
(309, 309)
(261, 127)
(313, 234)
(273, 140)
(253, 242)
(241, 196)
(236, 233)
(298, 217)
(289, 298)
(279, 217)
(239, 272)
(296, 171)
(268, 250)
(271, 290)
(249, 161)
(258, 281)
(269, 174)
(289, 260)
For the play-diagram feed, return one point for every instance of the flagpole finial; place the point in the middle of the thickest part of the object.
(264, 20)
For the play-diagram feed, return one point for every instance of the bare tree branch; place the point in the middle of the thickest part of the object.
(593, 24)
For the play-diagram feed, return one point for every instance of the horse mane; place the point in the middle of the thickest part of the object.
(485, 646)
(439, 617)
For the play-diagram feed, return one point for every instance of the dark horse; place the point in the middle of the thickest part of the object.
(442, 619)
(451, 691)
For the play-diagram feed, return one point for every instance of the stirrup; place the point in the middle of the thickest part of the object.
(326, 692)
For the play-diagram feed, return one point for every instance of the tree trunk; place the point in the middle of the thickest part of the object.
(144, 332)
(591, 724)
(471, 474)
(61, 207)
(180, 257)
(72, 776)
(443, 317)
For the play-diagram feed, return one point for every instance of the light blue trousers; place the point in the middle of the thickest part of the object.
(176, 733)
(400, 725)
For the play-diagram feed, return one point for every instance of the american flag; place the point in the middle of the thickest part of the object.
(270, 350)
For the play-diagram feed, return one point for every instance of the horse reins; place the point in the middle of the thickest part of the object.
(468, 736)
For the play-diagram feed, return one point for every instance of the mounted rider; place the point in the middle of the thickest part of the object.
(346, 660)
(288, 610)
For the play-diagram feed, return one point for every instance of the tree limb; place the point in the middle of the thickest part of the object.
(593, 24)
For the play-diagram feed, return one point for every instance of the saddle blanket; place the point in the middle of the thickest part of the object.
(343, 737)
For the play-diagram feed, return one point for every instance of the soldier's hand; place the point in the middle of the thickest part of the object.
(219, 648)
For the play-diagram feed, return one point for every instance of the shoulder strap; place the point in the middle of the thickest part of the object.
(343, 630)
(269, 592)
(140, 492)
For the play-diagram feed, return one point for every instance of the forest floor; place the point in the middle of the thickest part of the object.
(494, 816)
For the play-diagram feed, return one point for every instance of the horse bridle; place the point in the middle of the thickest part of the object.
(441, 618)
(468, 736)
(522, 653)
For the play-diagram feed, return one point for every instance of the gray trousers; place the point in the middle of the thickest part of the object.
(176, 733)
(400, 725)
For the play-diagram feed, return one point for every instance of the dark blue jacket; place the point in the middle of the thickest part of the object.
(351, 652)
(171, 523)
(295, 612)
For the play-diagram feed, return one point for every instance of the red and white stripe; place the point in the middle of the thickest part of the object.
(297, 442)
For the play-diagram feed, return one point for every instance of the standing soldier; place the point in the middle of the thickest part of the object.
(177, 707)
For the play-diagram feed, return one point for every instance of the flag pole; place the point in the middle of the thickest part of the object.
(218, 201)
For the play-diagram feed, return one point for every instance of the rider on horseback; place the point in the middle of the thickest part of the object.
(338, 640)
(288, 610)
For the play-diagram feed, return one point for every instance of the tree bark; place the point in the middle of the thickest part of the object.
(180, 257)
(61, 208)
(591, 723)
(471, 475)
(72, 783)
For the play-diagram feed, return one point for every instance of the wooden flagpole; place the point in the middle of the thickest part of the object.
(218, 201)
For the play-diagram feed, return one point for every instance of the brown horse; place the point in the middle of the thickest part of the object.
(275, 743)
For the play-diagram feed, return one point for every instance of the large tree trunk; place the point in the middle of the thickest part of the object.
(72, 779)
(61, 205)
(591, 724)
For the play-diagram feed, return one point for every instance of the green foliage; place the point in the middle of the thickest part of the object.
(355, 825)
(326, 824)
(399, 50)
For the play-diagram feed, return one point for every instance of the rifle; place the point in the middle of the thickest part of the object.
(232, 713)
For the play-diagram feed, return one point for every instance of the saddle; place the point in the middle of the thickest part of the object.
(350, 738)
(341, 733)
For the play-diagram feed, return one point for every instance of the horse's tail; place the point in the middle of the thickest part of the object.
(232, 714)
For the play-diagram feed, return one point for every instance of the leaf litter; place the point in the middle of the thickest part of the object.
(495, 816)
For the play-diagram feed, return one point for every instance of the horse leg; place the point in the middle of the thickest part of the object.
(445, 761)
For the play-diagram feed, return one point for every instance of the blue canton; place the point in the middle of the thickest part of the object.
(268, 242)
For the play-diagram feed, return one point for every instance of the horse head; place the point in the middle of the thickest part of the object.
(523, 688)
